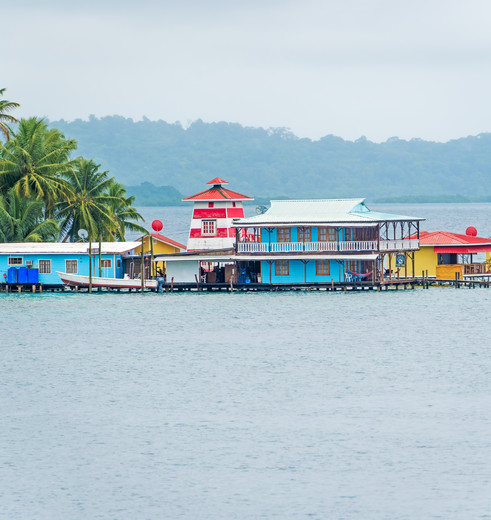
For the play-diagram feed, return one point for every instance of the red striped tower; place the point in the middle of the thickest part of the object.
(214, 209)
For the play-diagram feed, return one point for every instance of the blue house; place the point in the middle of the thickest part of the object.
(325, 241)
(33, 262)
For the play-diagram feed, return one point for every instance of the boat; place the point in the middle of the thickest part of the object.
(76, 280)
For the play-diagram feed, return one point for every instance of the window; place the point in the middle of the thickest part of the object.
(327, 234)
(211, 204)
(322, 267)
(304, 234)
(352, 266)
(106, 262)
(15, 260)
(347, 234)
(71, 266)
(209, 227)
(118, 263)
(365, 233)
(283, 234)
(281, 268)
(44, 266)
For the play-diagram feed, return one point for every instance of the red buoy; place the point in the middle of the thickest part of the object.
(471, 231)
(157, 225)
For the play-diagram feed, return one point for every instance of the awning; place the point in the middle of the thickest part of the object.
(193, 258)
(463, 250)
(251, 258)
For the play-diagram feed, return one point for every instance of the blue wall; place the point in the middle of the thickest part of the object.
(58, 264)
(297, 273)
(294, 234)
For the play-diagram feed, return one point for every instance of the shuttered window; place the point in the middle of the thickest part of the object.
(44, 266)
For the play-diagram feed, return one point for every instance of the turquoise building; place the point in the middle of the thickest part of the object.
(20, 261)
(325, 241)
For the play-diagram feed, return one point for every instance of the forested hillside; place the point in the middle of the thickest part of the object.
(271, 163)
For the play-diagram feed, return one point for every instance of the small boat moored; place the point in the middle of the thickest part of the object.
(75, 280)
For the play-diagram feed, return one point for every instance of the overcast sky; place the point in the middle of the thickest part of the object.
(378, 68)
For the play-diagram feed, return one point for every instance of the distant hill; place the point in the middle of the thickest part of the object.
(271, 163)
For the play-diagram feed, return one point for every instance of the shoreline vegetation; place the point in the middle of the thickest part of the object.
(430, 199)
(271, 162)
(147, 194)
(48, 195)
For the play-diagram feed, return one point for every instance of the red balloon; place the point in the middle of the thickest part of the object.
(471, 231)
(157, 225)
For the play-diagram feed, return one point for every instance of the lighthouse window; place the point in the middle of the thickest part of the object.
(209, 227)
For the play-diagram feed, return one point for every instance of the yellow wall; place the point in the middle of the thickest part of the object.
(424, 260)
(159, 248)
(488, 262)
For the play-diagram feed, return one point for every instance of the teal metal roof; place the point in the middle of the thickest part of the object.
(320, 211)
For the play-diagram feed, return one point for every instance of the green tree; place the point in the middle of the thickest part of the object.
(88, 206)
(5, 107)
(123, 213)
(22, 220)
(35, 161)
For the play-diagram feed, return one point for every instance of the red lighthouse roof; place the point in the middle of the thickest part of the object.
(216, 192)
(217, 180)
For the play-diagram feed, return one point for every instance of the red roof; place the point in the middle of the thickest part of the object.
(446, 242)
(218, 193)
(445, 238)
(217, 180)
(167, 240)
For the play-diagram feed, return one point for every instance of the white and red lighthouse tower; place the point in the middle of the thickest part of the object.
(213, 212)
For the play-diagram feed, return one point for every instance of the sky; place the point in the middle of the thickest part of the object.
(351, 68)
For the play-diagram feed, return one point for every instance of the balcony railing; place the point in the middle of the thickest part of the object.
(320, 247)
(399, 245)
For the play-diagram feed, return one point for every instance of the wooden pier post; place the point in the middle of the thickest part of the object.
(142, 267)
(90, 267)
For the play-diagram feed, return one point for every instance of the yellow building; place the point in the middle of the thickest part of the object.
(445, 255)
(160, 245)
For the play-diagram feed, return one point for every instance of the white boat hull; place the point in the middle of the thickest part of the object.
(76, 280)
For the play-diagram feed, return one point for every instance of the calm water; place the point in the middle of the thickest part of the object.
(246, 406)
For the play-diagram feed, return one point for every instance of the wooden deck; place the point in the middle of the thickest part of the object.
(394, 284)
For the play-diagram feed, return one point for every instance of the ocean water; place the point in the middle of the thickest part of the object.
(301, 405)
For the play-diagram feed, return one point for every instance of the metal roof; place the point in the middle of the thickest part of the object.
(168, 240)
(60, 248)
(446, 238)
(319, 211)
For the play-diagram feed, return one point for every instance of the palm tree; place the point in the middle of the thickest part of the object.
(88, 205)
(123, 214)
(6, 106)
(22, 220)
(35, 161)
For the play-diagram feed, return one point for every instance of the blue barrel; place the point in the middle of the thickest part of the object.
(33, 275)
(22, 275)
(12, 275)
